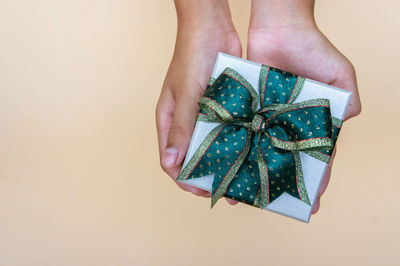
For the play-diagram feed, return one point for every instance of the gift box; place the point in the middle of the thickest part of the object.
(264, 137)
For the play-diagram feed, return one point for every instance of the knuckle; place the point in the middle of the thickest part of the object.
(158, 107)
(192, 92)
(355, 110)
(187, 97)
(349, 67)
(157, 112)
(177, 131)
(358, 109)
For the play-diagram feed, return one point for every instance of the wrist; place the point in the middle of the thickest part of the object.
(204, 16)
(277, 14)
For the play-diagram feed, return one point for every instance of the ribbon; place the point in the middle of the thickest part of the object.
(254, 152)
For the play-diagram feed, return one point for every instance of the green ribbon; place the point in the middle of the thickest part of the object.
(254, 153)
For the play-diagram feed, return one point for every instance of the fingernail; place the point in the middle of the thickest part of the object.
(170, 157)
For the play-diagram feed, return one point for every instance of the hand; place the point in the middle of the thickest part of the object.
(287, 37)
(204, 29)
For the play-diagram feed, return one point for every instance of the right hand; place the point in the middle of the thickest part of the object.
(195, 53)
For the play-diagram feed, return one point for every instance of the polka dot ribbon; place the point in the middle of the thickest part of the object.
(254, 152)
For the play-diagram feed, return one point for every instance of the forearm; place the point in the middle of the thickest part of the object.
(281, 13)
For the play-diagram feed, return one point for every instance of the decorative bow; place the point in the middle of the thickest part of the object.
(254, 153)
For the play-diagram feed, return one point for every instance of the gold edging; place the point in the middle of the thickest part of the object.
(301, 187)
(232, 172)
(230, 72)
(300, 105)
(337, 122)
(211, 81)
(301, 145)
(261, 83)
(210, 105)
(297, 89)
(199, 153)
(263, 198)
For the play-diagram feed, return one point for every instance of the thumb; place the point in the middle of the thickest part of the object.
(179, 135)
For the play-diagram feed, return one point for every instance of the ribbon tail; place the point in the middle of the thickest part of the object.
(200, 153)
(301, 187)
(302, 126)
(221, 190)
(324, 155)
(262, 200)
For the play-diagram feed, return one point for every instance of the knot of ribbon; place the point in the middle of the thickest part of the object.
(254, 151)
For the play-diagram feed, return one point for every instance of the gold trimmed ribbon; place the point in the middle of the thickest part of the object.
(254, 154)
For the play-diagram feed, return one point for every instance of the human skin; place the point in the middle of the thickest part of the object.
(282, 33)
(204, 29)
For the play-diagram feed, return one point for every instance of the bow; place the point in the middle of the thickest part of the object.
(254, 152)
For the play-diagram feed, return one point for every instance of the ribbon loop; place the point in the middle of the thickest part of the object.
(229, 98)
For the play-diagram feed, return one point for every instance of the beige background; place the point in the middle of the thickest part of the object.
(80, 182)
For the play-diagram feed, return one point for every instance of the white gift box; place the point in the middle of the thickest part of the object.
(313, 169)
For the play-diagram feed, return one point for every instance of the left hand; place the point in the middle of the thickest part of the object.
(302, 49)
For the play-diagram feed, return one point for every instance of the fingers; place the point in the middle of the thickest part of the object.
(175, 122)
(180, 133)
(175, 116)
(164, 115)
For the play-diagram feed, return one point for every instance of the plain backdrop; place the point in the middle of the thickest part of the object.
(80, 182)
